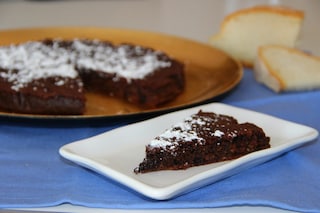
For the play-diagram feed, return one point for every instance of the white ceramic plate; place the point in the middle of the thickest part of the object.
(117, 152)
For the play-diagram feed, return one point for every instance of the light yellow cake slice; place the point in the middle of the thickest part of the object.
(243, 31)
(283, 68)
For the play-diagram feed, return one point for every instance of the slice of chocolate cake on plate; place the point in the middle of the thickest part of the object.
(200, 139)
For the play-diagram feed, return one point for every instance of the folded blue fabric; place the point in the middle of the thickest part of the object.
(32, 174)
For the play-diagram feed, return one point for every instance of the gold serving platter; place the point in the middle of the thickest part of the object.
(209, 72)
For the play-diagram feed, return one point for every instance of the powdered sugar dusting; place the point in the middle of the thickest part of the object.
(34, 60)
(218, 133)
(185, 131)
(130, 62)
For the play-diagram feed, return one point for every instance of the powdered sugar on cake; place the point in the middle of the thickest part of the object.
(127, 61)
(35, 60)
(189, 130)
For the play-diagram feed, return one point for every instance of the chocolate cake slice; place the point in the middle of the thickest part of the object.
(202, 138)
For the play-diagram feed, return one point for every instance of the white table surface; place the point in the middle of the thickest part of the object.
(193, 19)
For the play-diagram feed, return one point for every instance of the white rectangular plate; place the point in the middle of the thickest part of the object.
(117, 152)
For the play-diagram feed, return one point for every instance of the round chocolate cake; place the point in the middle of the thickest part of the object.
(51, 76)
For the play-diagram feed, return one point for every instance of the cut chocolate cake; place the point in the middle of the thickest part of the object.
(202, 138)
(49, 76)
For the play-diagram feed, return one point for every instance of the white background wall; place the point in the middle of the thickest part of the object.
(195, 19)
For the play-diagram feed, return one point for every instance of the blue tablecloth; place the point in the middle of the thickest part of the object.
(32, 174)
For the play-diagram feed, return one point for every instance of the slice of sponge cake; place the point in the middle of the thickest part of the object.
(283, 68)
(243, 31)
